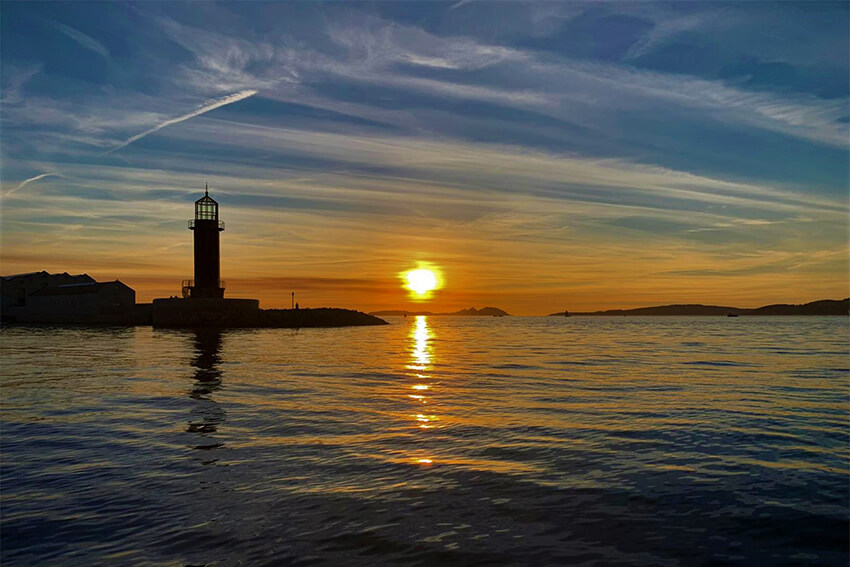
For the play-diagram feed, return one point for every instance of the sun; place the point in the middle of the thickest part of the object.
(421, 281)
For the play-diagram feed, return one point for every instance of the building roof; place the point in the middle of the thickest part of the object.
(78, 289)
(27, 275)
(206, 199)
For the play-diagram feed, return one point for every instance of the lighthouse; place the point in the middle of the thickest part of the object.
(203, 303)
(206, 225)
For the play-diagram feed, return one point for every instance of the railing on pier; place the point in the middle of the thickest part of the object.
(189, 284)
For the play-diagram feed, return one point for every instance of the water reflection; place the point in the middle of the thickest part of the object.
(421, 338)
(207, 414)
(421, 349)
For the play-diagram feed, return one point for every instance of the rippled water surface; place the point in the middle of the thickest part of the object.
(521, 441)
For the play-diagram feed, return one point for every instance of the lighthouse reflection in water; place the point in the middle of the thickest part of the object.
(207, 414)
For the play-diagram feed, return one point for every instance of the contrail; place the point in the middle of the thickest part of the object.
(459, 4)
(84, 40)
(206, 107)
(30, 180)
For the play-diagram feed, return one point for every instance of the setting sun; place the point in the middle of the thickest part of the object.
(421, 281)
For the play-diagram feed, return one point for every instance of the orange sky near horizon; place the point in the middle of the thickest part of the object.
(358, 265)
(388, 293)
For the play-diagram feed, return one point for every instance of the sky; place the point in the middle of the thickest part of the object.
(543, 156)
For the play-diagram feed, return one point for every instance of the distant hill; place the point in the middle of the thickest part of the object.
(471, 312)
(483, 312)
(822, 307)
(688, 309)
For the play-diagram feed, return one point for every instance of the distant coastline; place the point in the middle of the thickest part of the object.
(832, 307)
(821, 307)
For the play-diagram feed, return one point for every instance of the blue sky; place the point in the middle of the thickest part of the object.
(542, 154)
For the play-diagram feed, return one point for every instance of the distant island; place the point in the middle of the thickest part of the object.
(471, 312)
(822, 307)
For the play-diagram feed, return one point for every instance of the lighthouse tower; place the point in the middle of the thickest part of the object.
(206, 226)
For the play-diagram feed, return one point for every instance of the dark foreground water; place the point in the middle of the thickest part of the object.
(438, 441)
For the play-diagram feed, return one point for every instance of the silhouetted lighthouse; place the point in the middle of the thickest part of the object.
(206, 226)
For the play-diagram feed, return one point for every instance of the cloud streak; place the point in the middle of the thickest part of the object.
(26, 182)
(206, 107)
(86, 41)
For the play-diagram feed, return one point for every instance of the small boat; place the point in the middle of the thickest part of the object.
(731, 314)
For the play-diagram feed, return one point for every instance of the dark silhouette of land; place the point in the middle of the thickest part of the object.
(822, 307)
(41, 297)
(471, 312)
(247, 317)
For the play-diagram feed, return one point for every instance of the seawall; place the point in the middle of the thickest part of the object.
(244, 313)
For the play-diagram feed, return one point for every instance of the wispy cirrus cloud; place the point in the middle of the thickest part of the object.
(520, 171)
(14, 78)
(666, 29)
(567, 88)
(799, 115)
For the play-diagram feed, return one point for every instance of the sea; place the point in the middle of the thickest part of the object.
(429, 441)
